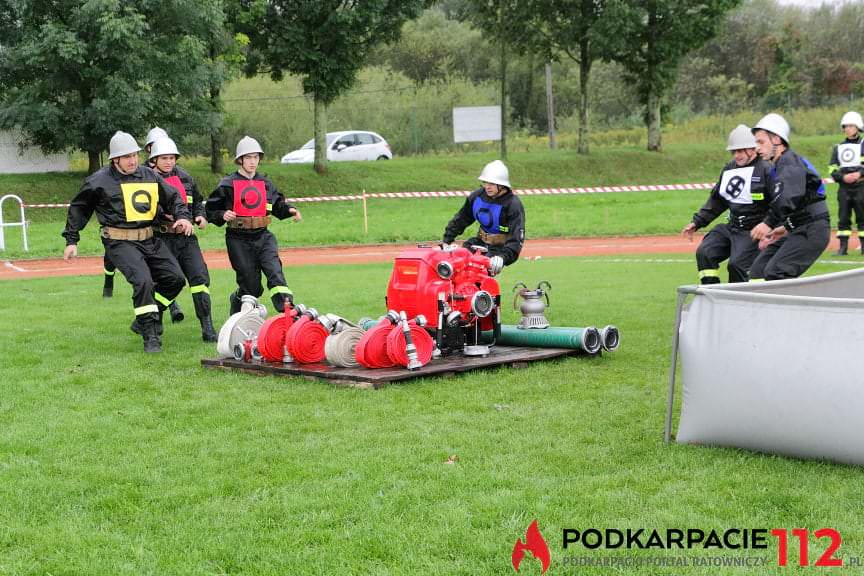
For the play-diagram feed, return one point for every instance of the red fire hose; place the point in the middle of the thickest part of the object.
(371, 351)
(305, 340)
(396, 344)
(271, 337)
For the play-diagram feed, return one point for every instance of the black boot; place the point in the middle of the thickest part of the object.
(844, 246)
(108, 286)
(234, 300)
(202, 310)
(152, 341)
(137, 327)
(176, 312)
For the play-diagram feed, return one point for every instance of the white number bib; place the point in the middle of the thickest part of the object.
(735, 185)
(849, 155)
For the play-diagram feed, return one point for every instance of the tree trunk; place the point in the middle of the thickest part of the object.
(320, 134)
(584, 76)
(94, 161)
(654, 144)
(216, 166)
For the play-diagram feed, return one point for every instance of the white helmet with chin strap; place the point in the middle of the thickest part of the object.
(121, 144)
(154, 134)
(247, 145)
(776, 124)
(853, 118)
(740, 138)
(495, 172)
(163, 147)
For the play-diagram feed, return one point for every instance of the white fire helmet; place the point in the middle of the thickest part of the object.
(121, 144)
(495, 172)
(774, 123)
(154, 134)
(163, 147)
(247, 145)
(740, 138)
(853, 118)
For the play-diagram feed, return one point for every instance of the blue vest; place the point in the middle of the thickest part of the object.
(488, 215)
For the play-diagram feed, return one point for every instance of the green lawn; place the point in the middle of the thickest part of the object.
(330, 223)
(116, 462)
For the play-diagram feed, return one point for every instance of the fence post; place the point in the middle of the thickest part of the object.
(22, 223)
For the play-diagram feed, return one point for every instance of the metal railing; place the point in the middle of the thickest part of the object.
(22, 223)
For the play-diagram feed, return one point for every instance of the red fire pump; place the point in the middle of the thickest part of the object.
(456, 288)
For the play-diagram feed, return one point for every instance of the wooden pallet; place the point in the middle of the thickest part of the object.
(364, 378)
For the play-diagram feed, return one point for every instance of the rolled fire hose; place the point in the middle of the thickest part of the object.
(242, 326)
(271, 337)
(340, 348)
(422, 341)
(305, 340)
(587, 339)
(371, 351)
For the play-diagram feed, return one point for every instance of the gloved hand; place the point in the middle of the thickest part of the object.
(448, 246)
(496, 264)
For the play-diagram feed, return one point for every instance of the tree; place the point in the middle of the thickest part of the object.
(651, 39)
(74, 72)
(506, 23)
(574, 28)
(326, 42)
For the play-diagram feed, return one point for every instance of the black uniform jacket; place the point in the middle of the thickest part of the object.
(838, 171)
(503, 214)
(744, 212)
(222, 199)
(799, 195)
(122, 201)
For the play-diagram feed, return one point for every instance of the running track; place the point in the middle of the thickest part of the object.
(547, 248)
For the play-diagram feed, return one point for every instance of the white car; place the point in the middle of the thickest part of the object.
(347, 145)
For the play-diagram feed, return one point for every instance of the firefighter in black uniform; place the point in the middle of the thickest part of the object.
(108, 266)
(797, 228)
(125, 197)
(244, 201)
(499, 213)
(845, 168)
(163, 156)
(744, 188)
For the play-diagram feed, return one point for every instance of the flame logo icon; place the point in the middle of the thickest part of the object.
(535, 544)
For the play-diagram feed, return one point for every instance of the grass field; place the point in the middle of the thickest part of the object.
(113, 462)
(424, 219)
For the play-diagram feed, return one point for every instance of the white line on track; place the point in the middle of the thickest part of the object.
(9, 264)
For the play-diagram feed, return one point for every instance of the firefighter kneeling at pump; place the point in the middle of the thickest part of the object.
(500, 214)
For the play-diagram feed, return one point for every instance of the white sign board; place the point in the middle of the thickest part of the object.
(476, 124)
(15, 160)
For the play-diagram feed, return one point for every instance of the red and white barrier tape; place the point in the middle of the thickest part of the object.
(458, 193)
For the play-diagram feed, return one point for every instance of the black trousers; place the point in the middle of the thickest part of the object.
(793, 254)
(722, 242)
(252, 253)
(108, 266)
(187, 251)
(849, 202)
(149, 267)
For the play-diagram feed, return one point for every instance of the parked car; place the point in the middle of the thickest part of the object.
(346, 145)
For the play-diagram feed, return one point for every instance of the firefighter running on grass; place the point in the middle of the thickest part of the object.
(109, 268)
(125, 197)
(163, 156)
(499, 213)
(845, 169)
(244, 201)
(797, 228)
(745, 189)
